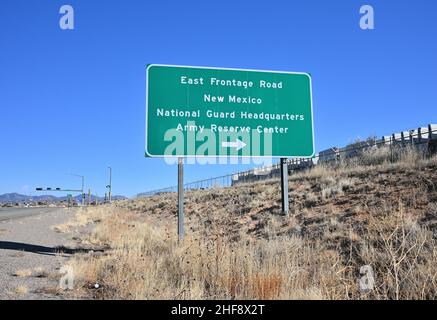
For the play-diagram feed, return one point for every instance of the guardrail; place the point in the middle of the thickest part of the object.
(424, 139)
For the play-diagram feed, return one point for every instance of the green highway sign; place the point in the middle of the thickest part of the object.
(219, 112)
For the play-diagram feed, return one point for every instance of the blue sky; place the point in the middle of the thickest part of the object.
(74, 101)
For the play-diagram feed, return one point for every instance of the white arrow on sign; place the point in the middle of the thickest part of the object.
(238, 144)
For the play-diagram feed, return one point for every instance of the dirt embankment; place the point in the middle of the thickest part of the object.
(318, 198)
(238, 245)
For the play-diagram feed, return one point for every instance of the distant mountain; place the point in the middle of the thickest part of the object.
(20, 198)
(12, 197)
(118, 197)
(16, 197)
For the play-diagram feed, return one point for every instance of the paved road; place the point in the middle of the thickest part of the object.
(28, 242)
(15, 213)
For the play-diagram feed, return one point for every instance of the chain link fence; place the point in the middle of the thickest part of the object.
(422, 140)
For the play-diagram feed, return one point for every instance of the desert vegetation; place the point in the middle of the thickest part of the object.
(372, 212)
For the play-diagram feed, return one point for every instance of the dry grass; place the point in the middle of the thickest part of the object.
(23, 273)
(239, 246)
(81, 218)
(146, 264)
(50, 290)
(21, 290)
(39, 272)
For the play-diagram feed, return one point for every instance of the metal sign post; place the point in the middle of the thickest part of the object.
(180, 199)
(284, 185)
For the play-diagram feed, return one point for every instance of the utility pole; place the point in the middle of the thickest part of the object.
(83, 194)
(83, 184)
(110, 184)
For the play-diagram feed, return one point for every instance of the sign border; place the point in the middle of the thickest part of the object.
(149, 155)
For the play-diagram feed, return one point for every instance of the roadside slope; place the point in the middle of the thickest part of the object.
(239, 245)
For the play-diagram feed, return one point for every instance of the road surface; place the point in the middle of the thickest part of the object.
(30, 255)
(15, 213)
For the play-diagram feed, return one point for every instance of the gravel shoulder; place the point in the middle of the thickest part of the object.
(30, 256)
